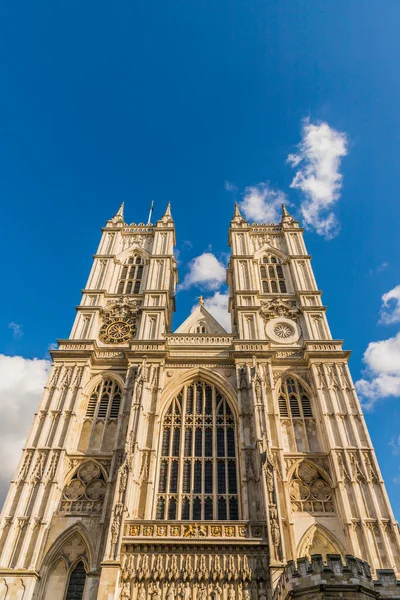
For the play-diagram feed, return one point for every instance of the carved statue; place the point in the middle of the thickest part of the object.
(202, 593)
(245, 591)
(156, 591)
(231, 592)
(217, 592)
(141, 592)
(171, 592)
(186, 592)
(243, 377)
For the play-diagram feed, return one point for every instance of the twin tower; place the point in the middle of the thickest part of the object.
(199, 464)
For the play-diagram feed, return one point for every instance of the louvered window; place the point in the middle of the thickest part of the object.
(298, 423)
(272, 277)
(105, 400)
(131, 276)
(198, 478)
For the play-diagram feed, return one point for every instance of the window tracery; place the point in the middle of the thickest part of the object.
(297, 420)
(309, 491)
(86, 490)
(272, 277)
(198, 477)
(131, 276)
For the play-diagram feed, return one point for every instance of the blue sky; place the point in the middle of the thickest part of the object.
(135, 101)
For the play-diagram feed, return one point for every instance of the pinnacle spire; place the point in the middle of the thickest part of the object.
(286, 216)
(120, 212)
(237, 215)
(168, 210)
(237, 212)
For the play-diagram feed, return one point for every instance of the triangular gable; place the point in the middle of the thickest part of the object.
(200, 321)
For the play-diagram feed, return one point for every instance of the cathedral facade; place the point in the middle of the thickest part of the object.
(199, 464)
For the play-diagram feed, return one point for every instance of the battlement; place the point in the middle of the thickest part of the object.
(334, 579)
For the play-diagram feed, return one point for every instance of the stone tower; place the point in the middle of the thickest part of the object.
(198, 465)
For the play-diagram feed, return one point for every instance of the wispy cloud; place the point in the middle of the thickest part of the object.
(395, 445)
(204, 271)
(17, 330)
(318, 176)
(230, 187)
(21, 384)
(262, 203)
(390, 311)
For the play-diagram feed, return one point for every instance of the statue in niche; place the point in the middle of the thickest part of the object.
(216, 592)
(171, 593)
(186, 592)
(141, 592)
(246, 592)
(231, 592)
(156, 591)
(202, 593)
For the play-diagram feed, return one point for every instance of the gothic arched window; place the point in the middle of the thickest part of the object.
(198, 474)
(100, 422)
(297, 420)
(76, 583)
(131, 276)
(272, 278)
(105, 400)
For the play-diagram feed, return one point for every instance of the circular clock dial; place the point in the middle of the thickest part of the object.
(117, 331)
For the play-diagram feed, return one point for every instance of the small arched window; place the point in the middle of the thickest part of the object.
(105, 400)
(198, 478)
(131, 276)
(272, 278)
(297, 420)
(76, 584)
(100, 423)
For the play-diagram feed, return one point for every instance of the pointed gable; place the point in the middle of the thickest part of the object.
(200, 321)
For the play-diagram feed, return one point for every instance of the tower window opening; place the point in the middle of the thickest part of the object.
(131, 276)
(198, 479)
(105, 400)
(297, 420)
(271, 274)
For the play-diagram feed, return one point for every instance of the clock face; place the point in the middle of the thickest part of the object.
(117, 331)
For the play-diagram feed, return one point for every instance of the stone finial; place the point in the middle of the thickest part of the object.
(120, 212)
(237, 215)
(287, 218)
(201, 301)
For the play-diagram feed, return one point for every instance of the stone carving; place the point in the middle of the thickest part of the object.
(121, 308)
(322, 383)
(195, 531)
(372, 474)
(358, 475)
(243, 377)
(216, 593)
(246, 592)
(278, 307)
(342, 468)
(38, 469)
(202, 592)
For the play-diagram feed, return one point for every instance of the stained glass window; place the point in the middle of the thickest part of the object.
(197, 476)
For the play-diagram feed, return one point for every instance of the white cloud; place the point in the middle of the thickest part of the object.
(382, 379)
(16, 329)
(390, 312)
(262, 203)
(396, 479)
(21, 385)
(204, 270)
(318, 158)
(217, 305)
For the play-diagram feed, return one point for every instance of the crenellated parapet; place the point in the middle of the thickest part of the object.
(333, 578)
